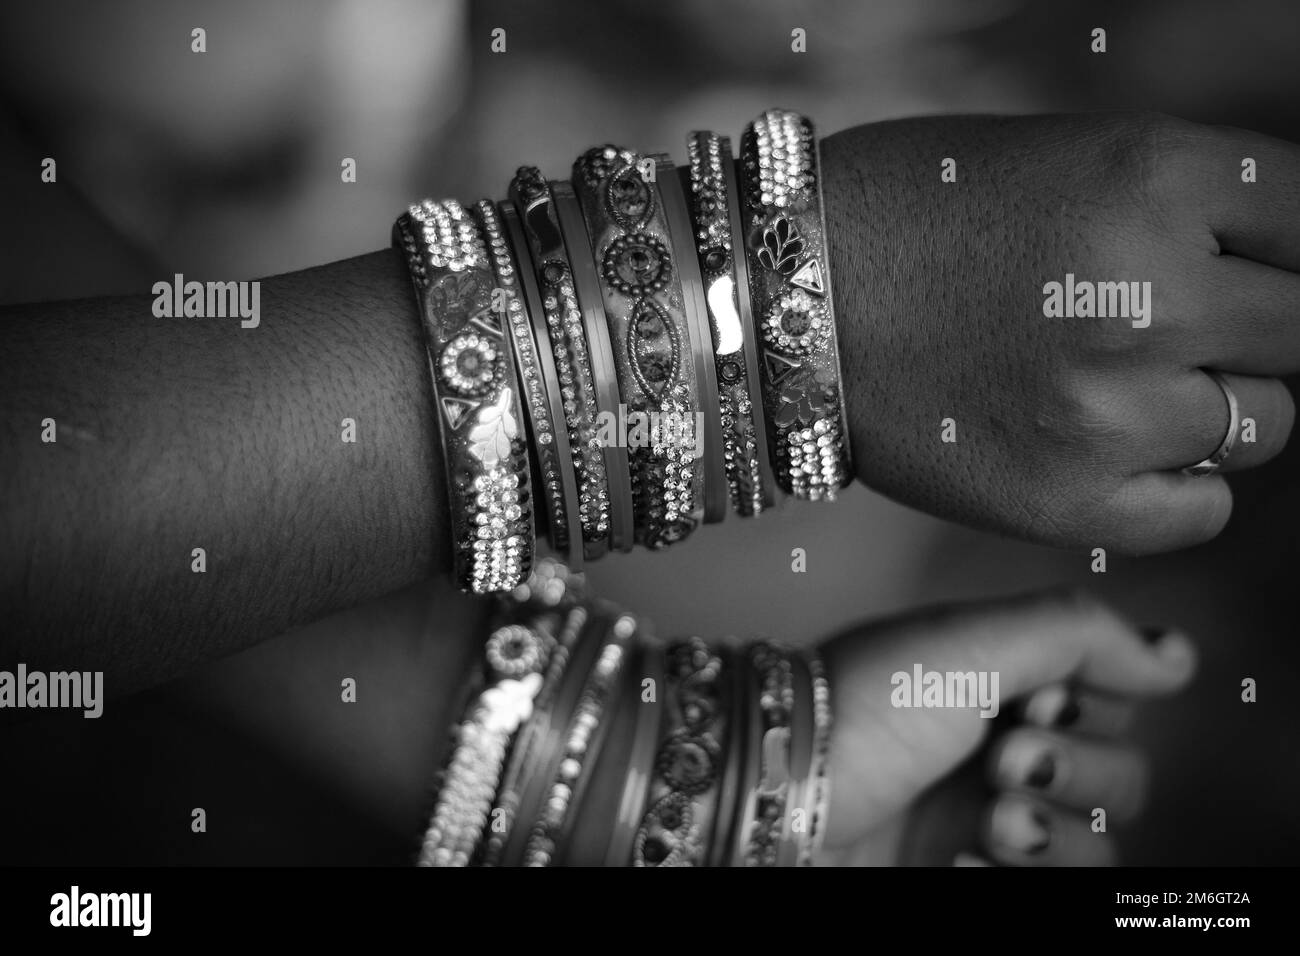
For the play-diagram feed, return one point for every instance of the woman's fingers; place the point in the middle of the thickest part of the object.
(1246, 319)
(1023, 831)
(1071, 709)
(1166, 510)
(1252, 219)
(1047, 638)
(1194, 422)
(1069, 771)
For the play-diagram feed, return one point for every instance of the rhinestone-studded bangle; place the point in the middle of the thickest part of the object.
(785, 235)
(475, 395)
(514, 659)
(579, 376)
(763, 812)
(715, 211)
(651, 336)
(819, 778)
(709, 457)
(601, 350)
(680, 824)
(580, 746)
(544, 399)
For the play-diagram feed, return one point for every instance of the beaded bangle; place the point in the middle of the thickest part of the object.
(529, 744)
(797, 813)
(677, 827)
(650, 334)
(545, 401)
(475, 395)
(715, 211)
(765, 804)
(641, 761)
(514, 659)
(819, 781)
(791, 287)
(576, 375)
(580, 746)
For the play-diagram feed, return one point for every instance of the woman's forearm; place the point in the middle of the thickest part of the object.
(175, 434)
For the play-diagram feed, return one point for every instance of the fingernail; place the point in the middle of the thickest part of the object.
(1021, 826)
(969, 859)
(1043, 770)
(1170, 644)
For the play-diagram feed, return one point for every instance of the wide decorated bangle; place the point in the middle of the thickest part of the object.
(476, 396)
(790, 281)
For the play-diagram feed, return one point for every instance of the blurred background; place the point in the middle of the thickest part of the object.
(227, 164)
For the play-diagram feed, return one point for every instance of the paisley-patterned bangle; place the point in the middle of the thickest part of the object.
(475, 395)
(651, 336)
(544, 400)
(580, 746)
(575, 376)
(819, 779)
(679, 824)
(790, 282)
(715, 211)
(763, 811)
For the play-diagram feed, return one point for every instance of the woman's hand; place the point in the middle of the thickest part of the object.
(1068, 670)
(1068, 430)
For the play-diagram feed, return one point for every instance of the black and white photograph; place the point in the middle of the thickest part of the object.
(747, 433)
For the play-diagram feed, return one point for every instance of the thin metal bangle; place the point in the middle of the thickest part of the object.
(636, 789)
(579, 746)
(650, 334)
(546, 405)
(798, 812)
(752, 763)
(603, 369)
(734, 767)
(534, 200)
(476, 395)
(785, 234)
(709, 445)
(715, 212)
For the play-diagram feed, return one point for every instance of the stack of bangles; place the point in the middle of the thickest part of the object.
(584, 742)
(640, 349)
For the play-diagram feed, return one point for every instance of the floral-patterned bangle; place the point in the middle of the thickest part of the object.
(790, 281)
(475, 395)
(544, 399)
(763, 811)
(529, 746)
(681, 820)
(576, 376)
(580, 746)
(715, 211)
(514, 659)
(651, 336)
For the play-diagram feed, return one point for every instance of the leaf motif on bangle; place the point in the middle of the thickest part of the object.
(629, 198)
(782, 246)
(491, 435)
(797, 406)
(653, 348)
